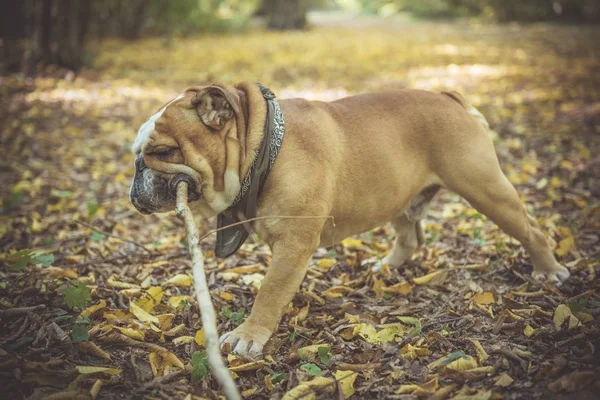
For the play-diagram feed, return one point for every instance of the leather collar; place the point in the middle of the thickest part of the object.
(245, 205)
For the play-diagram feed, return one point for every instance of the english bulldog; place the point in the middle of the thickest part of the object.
(365, 160)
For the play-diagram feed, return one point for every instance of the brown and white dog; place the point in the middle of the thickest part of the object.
(365, 160)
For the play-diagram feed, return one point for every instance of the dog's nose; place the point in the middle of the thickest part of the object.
(140, 165)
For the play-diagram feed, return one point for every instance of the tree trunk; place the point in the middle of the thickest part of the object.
(285, 14)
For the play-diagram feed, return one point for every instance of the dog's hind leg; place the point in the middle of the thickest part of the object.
(478, 178)
(409, 233)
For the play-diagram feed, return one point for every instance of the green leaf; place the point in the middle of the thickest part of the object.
(12, 200)
(293, 335)
(44, 259)
(236, 316)
(324, 355)
(92, 208)
(97, 236)
(61, 194)
(199, 365)
(312, 369)
(577, 305)
(455, 356)
(276, 378)
(77, 295)
(302, 356)
(19, 260)
(416, 330)
(80, 330)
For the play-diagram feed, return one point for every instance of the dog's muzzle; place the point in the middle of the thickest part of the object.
(152, 193)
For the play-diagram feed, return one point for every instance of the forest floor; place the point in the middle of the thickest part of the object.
(95, 299)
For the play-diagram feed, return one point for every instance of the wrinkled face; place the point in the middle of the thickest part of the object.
(189, 135)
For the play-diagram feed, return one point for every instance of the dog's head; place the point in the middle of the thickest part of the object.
(195, 134)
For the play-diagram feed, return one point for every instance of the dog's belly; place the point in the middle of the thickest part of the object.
(370, 211)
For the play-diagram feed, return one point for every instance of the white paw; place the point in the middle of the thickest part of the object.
(246, 340)
(558, 275)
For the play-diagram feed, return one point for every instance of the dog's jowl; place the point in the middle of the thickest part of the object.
(365, 160)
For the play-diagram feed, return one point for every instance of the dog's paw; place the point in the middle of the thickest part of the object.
(246, 340)
(558, 274)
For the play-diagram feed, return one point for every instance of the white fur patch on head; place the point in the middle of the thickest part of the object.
(148, 127)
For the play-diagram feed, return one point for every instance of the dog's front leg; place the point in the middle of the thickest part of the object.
(284, 276)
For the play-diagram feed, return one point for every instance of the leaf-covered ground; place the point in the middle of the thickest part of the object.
(86, 282)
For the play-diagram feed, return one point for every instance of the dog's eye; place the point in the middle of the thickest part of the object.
(164, 153)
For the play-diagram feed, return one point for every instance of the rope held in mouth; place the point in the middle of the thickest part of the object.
(207, 311)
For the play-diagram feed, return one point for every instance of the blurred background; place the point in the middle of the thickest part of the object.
(78, 78)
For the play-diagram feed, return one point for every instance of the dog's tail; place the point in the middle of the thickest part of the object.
(470, 109)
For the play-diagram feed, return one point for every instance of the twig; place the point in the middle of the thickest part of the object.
(207, 311)
(267, 217)
(111, 235)
(14, 312)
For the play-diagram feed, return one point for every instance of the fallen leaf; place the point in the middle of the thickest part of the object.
(503, 380)
(426, 389)
(423, 280)
(141, 314)
(200, 338)
(150, 298)
(561, 313)
(92, 309)
(87, 370)
(346, 381)
(484, 298)
(317, 385)
(181, 280)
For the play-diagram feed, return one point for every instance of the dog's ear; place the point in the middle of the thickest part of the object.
(214, 106)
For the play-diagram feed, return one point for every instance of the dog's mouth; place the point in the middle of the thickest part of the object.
(193, 194)
(153, 192)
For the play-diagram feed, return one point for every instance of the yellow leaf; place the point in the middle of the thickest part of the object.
(226, 296)
(503, 380)
(427, 278)
(200, 339)
(254, 280)
(529, 331)
(346, 381)
(132, 333)
(325, 263)
(484, 298)
(305, 389)
(424, 390)
(92, 309)
(565, 246)
(150, 298)
(367, 332)
(183, 340)
(175, 301)
(583, 317)
(141, 314)
(180, 280)
(463, 363)
(92, 348)
(352, 243)
(391, 333)
(269, 383)
(87, 370)
(251, 366)
(482, 355)
(117, 315)
(249, 392)
(411, 352)
(165, 321)
(245, 269)
(162, 362)
(402, 288)
(561, 313)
